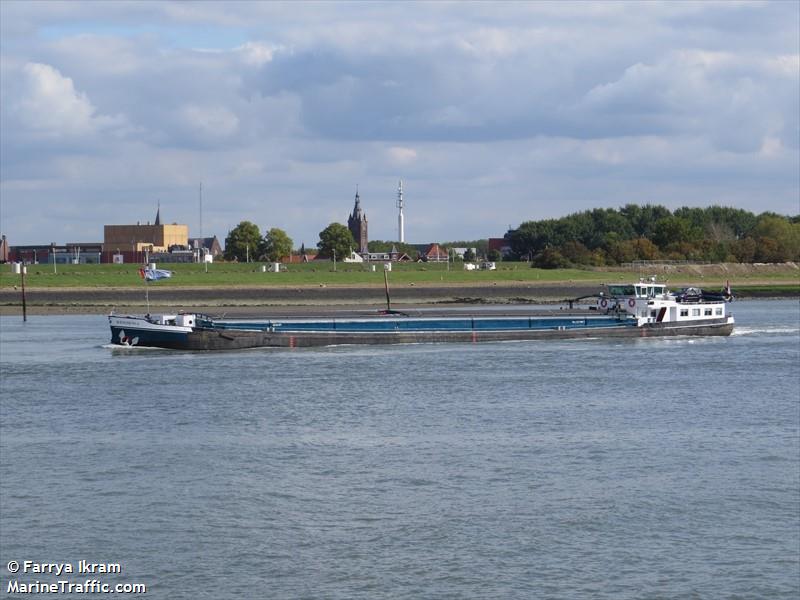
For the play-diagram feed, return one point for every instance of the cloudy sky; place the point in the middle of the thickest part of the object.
(490, 113)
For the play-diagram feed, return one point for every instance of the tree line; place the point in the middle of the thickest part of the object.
(613, 236)
(603, 236)
(246, 243)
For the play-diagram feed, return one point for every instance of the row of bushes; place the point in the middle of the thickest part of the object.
(610, 236)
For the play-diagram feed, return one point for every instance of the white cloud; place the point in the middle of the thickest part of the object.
(786, 64)
(48, 104)
(734, 100)
(256, 54)
(400, 156)
(210, 121)
(771, 147)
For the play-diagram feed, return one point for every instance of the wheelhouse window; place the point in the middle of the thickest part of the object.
(684, 312)
(708, 312)
(621, 290)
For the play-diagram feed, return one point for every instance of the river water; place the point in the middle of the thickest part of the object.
(646, 468)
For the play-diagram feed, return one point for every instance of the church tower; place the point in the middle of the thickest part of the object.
(357, 224)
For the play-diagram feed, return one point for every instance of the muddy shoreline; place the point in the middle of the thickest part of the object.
(253, 300)
(260, 300)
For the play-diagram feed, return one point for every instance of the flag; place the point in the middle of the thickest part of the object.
(154, 274)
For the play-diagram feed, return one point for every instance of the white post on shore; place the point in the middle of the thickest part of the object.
(22, 272)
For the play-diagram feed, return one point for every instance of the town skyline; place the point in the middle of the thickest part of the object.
(491, 113)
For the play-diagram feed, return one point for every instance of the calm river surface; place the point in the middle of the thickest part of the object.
(648, 468)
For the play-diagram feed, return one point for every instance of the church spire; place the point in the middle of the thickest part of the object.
(357, 224)
(158, 214)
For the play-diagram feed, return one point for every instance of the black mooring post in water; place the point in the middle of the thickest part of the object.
(386, 286)
(24, 305)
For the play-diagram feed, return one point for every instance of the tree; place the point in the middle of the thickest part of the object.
(550, 258)
(741, 222)
(335, 237)
(744, 250)
(643, 218)
(768, 250)
(671, 230)
(576, 253)
(469, 255)
(276, 244)
(719, 231)
(779, 237)
(530, 238)
(609, 227)
(494, 255)
(243, 242)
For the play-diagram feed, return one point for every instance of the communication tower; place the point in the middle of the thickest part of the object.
(400, 218)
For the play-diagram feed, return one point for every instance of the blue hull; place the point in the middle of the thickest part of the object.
(429, 324)
(129, 336)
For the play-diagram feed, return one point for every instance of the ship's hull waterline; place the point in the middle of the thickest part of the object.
(233, 339)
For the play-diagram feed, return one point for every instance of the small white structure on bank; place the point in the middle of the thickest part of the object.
(485, 266)
(354, 257)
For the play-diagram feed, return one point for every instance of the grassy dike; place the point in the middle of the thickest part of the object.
(783, 278)
(245, 288)
(221, 275)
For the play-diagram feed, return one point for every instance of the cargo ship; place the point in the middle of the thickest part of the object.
(642, 309)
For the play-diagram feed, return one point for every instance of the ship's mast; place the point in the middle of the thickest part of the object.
(400, 221)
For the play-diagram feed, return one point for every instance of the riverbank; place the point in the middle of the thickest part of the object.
(252, 300)
(244, 299)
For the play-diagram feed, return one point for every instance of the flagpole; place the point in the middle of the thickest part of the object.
(154, 275)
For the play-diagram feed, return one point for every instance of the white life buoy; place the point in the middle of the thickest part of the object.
(604, 303)
(631, 302)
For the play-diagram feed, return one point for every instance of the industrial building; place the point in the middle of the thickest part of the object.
(72, 253)
(122, 244)
(132, 243)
